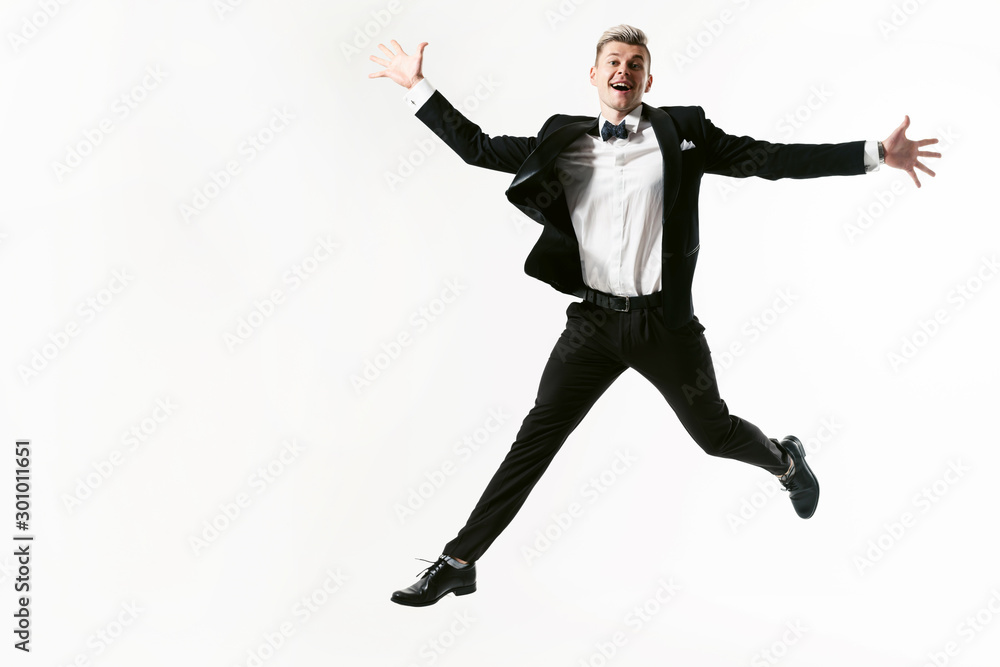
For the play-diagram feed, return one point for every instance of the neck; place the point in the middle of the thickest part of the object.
(616, 116)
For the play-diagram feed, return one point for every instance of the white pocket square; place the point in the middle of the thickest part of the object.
(685, 144)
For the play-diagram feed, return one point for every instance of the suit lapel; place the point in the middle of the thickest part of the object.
(540, 160)
(666, 136)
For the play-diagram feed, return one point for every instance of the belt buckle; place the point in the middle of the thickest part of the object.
(627, 305)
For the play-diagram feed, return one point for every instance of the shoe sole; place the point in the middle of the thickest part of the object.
(461, 590)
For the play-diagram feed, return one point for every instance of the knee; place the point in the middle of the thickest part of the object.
(714, 442)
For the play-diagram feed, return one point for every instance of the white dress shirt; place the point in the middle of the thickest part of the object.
(614, 191)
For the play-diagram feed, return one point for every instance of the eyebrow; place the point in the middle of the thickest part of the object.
(615, 53)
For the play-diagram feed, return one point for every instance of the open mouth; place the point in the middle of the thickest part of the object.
(621, 86)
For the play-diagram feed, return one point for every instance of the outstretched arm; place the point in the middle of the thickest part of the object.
(743, 156)
(905, 154)
(475, 147)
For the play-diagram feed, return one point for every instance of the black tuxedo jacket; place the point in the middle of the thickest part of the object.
(539, 193)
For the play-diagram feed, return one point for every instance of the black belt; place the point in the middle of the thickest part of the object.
(622, 304)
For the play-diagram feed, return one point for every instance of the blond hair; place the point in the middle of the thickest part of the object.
(627, 35)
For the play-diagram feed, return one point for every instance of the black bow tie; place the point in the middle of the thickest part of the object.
(610, 130)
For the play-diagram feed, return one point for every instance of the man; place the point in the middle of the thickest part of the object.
(617, 198)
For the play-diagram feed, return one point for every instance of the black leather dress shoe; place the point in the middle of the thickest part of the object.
(801, 485)
(441, 579)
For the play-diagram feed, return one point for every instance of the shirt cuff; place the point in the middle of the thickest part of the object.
(871, 155)
(418, 94)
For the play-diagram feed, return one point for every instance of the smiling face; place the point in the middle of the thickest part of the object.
(621, 77)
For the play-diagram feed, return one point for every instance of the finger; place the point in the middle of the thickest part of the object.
(380, 61)
(928, 154)
(924, 142)
(924, 169)
(396, 45)
(913, 175)
(375, 75)
(386, 50)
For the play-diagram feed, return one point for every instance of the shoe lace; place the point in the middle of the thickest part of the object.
(434, 568)
(789, 481)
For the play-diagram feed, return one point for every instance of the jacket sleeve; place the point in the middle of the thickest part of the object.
(502, 153)
(741, 157)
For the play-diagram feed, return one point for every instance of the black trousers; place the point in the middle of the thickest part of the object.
(594, 349)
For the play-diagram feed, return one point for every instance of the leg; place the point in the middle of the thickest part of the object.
(580, 368)
(679, 363)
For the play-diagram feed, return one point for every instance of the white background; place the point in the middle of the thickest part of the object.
(860, 587)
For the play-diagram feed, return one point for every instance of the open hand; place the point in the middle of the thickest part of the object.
(903, 153)
(403, 69)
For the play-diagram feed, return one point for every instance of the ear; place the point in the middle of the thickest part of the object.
(593, 76)
(649, 83)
